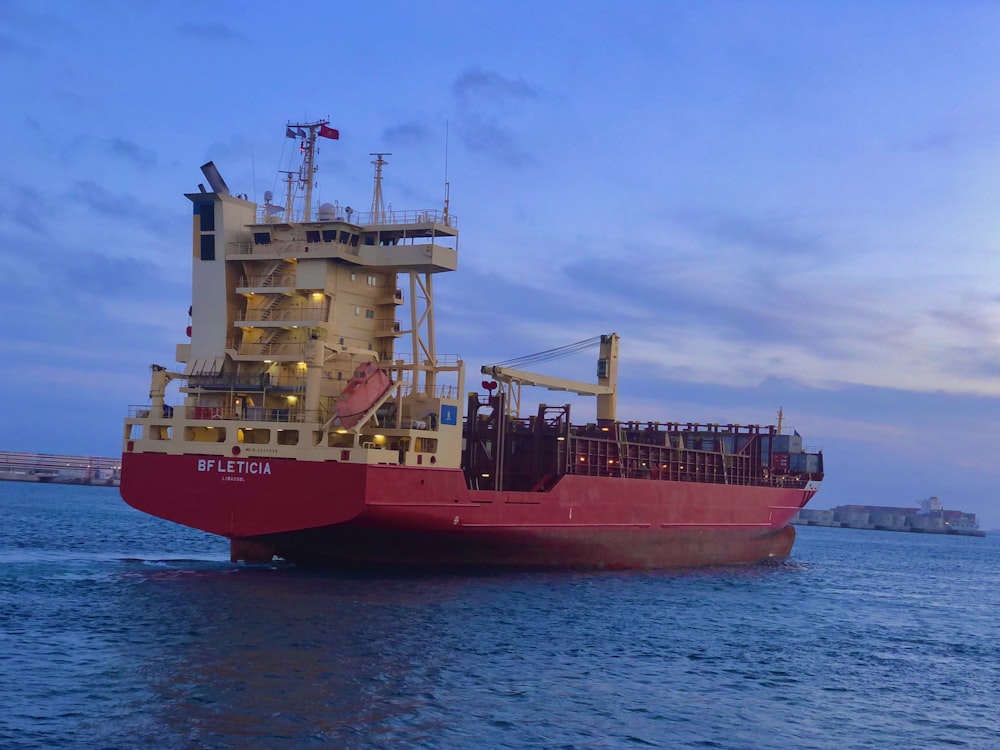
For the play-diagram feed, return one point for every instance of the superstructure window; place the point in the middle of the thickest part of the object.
(345, 237)
(206, 216)
(262, 238)
(354, 240)
(370, 314)
(208, 247)
(329, 235)
(312, 235)
(288, 437)
(372, 280)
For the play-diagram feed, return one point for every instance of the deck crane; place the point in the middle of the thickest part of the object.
(605, 389)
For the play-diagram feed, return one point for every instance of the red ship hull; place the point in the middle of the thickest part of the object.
(337, 513)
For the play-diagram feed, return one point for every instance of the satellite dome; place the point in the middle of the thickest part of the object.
(327, 212)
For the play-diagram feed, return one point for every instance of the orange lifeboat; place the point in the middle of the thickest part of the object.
(366, 387)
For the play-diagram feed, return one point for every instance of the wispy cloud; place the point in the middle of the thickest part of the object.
(942, 141)
(477, 85)
(772, 236)
(213, 32)
(494, 140)
(487, 103)
(11, 48)
(116, 147)
(26, 207)
(410, 133)
(103, 202)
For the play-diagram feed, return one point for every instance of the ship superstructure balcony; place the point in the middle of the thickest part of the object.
(307, 315)
(266, 284)
(293, 351)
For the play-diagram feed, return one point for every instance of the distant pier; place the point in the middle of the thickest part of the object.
(930, 518)
(56, 469)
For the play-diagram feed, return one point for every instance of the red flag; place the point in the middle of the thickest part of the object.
(326, 132)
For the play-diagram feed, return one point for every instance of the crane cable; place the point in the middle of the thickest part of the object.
(550, 354)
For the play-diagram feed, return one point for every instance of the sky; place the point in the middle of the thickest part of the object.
(775, 204)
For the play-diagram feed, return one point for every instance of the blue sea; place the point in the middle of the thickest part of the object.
(122, 631)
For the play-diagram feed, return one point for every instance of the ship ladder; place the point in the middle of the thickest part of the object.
(623, 457)
(726, 461)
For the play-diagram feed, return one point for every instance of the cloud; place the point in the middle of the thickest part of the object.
(495, 141)
(116, 147)
(26, 24)
(129, 151)
(11, 48)
(731, 317)
(26, 208)
(477, 85)
(103, 202)
(938, 141)
(487, 104)
(213, 32)
(410, 133)
(775, 236)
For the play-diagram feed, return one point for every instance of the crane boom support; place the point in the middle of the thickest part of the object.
(508, 375)
(605, 389)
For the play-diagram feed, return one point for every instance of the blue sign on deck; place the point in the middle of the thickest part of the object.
(449, 414)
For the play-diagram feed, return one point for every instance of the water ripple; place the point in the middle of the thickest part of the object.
(122, 631)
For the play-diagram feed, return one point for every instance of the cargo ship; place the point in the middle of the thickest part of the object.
(314, 419)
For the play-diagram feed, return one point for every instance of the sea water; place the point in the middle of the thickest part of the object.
(122, 631)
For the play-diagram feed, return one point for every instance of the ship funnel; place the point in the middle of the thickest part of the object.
(214, 178)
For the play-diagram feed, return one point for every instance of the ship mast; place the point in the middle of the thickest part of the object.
(447, 185)
(378, 208)
(289, 195)
(308, 168)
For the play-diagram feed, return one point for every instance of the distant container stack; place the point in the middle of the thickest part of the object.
(56, 469)
(929, 518)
